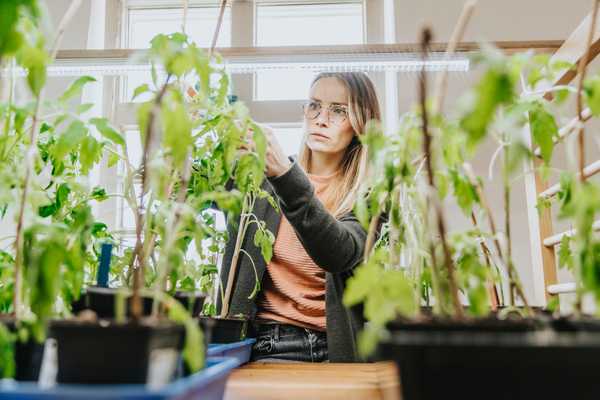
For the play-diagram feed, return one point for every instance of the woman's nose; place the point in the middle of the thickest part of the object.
(323, 117)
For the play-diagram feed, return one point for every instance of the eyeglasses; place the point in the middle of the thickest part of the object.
(337, 113)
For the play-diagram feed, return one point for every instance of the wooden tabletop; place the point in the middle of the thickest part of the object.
(266, 381)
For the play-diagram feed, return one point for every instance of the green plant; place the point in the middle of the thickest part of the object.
(414, 245)
(54, 224)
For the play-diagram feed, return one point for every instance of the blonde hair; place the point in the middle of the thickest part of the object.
(363, 106)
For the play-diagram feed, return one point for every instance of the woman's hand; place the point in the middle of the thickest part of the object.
(277, 163)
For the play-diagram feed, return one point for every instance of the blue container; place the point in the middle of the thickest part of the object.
(239, 350)
(208, 384)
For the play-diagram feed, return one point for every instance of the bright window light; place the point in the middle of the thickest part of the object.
(297, 25)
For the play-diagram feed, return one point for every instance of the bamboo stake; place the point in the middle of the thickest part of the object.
(217, 28)
(441, 83)
(234, 259)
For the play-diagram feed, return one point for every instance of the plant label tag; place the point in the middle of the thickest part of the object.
(49, 367)
(161, 368)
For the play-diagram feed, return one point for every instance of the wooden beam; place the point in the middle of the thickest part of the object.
(542, 46)
(573, 50)
(588, 172)
(555, 240)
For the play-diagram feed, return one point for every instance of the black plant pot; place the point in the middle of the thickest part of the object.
(102, 301)
(493, 359)
(111, 353)
(28, 355)
(225, 330)
(193, 302)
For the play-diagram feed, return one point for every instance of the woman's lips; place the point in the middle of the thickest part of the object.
(319, 135)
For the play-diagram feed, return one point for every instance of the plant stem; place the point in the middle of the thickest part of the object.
(29, 158)
(369, 244)
(138, 260)
(427, 149)
(173, 228)
(514, 281)
(492, 286)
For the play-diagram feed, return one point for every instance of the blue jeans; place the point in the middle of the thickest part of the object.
(280, 342)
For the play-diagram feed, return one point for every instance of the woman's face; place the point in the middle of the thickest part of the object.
(330, 131)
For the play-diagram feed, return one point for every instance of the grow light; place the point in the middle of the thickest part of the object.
(245, 65)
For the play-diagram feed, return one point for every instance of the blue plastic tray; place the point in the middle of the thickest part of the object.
(239, 350)
(208, 384)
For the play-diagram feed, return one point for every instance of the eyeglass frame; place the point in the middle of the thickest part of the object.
(344, 107)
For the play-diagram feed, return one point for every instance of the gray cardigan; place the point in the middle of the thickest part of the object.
(336, 245)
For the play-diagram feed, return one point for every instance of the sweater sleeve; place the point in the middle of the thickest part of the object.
(336, 245)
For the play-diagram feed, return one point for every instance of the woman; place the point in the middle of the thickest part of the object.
(299, 315)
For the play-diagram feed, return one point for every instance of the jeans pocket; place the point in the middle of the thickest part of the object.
(264, 345)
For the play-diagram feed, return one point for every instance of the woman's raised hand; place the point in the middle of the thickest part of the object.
(277, 163)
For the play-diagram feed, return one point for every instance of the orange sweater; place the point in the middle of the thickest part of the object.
(294, 286)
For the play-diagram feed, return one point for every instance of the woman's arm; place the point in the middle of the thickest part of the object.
(335, 245)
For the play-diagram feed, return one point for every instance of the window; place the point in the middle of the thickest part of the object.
(145, 23)
(296, 25)
(289, 137)
(125, 216)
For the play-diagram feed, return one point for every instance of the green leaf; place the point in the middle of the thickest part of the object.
(107, 131)
(361, 210)
(249, 173)
(99, 194)
(113, 159)
(264, 239)
(139, 90)
(260, 141)
(495, 88)
(360, 285)
(62, 194)
(85, 107)
(177, 130)
(90, 153)
(76, 88)
(34, 60)
(193, 351)
(544, 130)
(7, 351)
(592, 94)
(69, 140)
(565, 257)
(263, 194)
(464, 191)
(47, 210)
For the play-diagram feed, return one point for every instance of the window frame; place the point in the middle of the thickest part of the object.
(243, 34)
